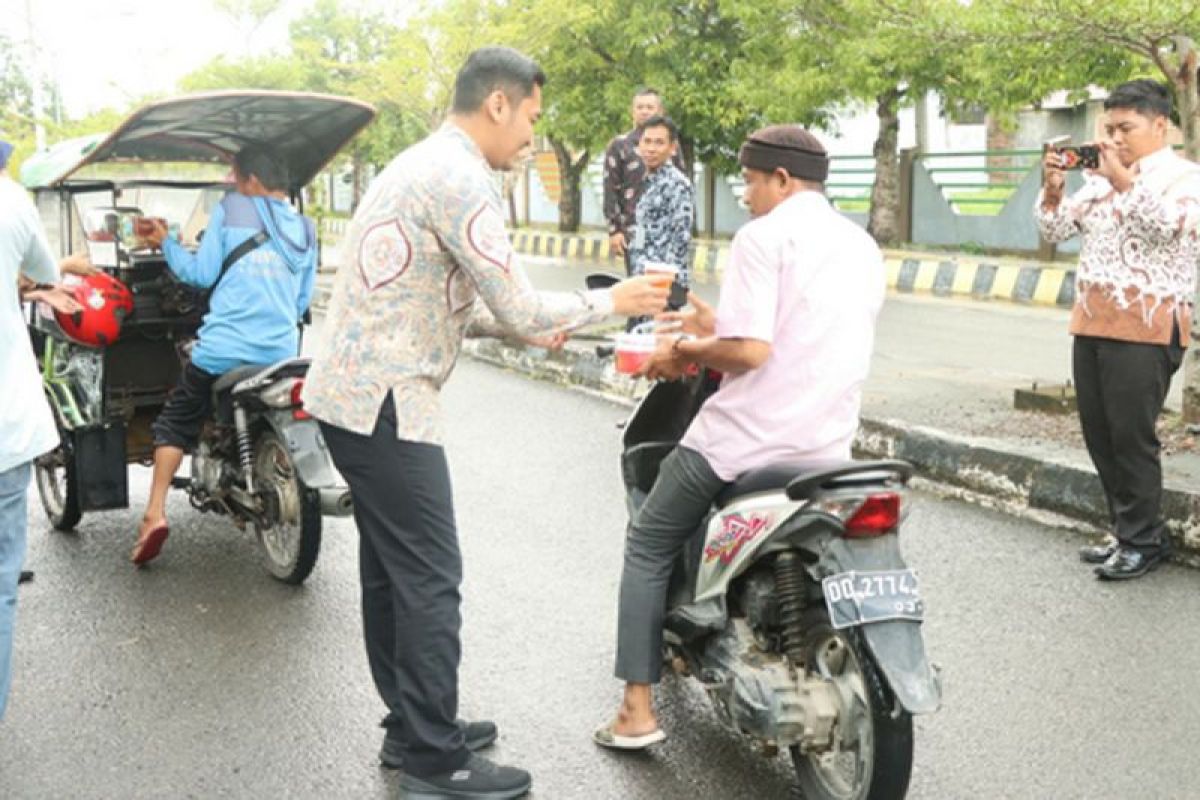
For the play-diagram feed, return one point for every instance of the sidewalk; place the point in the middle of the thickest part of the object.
(940, 395)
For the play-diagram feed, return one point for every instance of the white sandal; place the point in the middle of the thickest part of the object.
(606, 737)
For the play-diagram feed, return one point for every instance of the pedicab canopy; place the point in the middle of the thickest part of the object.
(194, 138)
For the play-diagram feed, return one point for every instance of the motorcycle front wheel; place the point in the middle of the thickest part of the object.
(291, 535)
(871, 757)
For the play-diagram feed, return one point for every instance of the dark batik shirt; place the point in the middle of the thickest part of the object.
(663, 221)
(623, 176)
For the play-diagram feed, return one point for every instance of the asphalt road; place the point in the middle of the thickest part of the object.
(202, 677)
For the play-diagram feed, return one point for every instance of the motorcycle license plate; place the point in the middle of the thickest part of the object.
(857, 598)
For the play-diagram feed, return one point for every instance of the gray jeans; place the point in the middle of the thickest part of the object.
(675, 507)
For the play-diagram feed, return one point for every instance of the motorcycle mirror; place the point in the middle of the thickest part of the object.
(601, 280)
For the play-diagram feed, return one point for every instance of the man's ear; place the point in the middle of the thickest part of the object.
(781, 176)
(495, 105)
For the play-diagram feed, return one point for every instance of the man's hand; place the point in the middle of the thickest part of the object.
(1120, 176)
(56, 297)
(1054, 178)
(77, 264)
(701, 321)
(616, 243)
(638, 297)
(554, 341)
(665, 362)
(158, 235)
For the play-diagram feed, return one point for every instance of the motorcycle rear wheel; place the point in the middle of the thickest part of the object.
(58, 488)
(292, 541)
(873, 749)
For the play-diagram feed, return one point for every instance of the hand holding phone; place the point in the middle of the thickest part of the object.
(1084, 156)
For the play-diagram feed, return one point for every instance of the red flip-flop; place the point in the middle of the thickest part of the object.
(149, 546)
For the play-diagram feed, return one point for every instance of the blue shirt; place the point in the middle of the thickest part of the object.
(254, 312)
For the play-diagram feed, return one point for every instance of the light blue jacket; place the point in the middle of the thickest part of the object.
(253, 314)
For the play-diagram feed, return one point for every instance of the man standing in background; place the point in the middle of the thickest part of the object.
(624, 172)
(663, 217)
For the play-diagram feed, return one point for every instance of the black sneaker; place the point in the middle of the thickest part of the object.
(478, 779)
(478, 735)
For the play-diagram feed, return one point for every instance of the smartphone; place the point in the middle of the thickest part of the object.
(1084, 156)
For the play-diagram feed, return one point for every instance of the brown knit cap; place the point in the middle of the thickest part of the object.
(787, 147)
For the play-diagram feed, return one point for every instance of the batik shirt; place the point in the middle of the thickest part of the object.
(663, 222)
(1138, 254)
(624, 172)
(426, 257)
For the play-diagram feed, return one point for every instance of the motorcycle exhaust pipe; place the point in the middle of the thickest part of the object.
(336, 503)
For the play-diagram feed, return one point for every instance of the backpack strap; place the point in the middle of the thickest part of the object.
(253, 243)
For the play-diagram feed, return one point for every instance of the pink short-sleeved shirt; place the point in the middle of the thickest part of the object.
(810, 282)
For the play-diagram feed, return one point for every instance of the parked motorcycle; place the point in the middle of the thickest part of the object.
(794, 608)
(263, 462)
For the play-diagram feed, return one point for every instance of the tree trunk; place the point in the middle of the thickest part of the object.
(884, 219)
(570, 199)
(1187, 95)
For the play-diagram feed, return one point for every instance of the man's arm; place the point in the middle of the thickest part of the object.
(476, 237)
(680, 226)
(614, 172)
(201, 268)
(1057, 219)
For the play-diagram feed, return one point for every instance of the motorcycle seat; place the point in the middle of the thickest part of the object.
(775, 477)
(236, 376)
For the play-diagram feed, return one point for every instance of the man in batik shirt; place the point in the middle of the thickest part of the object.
(427, 260)
(1138, 216)
(663, 218)
(624, 172)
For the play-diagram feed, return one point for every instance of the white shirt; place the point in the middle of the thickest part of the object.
(26, 423)
(810, 282)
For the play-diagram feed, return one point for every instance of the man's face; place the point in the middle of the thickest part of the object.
(645, 106)
(764, 190)
(655, 147)
(1134, 133)
(513, 127)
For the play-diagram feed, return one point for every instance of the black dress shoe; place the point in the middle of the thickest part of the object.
(478, 735)
(1128, 563)
(1098, 553)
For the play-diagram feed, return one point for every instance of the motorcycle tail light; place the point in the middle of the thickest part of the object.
(298, 411)
(879, 514)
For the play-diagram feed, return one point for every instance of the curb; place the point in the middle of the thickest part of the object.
(942, 275)
(1018, 480)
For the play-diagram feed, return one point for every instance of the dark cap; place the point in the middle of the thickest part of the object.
(787, 147)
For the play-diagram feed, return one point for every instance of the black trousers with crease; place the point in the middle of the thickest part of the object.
(1121, 387)
(411, 569)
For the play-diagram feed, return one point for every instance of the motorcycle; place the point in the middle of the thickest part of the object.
(793, 607)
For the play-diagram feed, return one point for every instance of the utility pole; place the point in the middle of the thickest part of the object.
(35, 81)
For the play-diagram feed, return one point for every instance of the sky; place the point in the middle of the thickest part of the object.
(109, 52)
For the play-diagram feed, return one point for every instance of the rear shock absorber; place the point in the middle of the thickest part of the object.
(789, 586)
(245, 447)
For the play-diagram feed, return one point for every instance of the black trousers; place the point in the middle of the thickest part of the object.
(1121, 387)
(411, 568)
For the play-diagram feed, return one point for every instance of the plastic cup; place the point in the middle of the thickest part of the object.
(663, 275)
(633, 351)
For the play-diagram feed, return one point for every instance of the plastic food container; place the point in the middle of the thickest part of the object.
(633, 352)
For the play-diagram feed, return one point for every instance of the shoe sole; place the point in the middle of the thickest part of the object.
(1108, 576)
(474, 745)
(424, 791)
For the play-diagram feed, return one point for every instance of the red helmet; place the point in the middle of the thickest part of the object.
(106, 303)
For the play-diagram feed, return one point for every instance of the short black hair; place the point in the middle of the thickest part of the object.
(262, 163)
(663, 121)
(491, 68)
(1148, 98)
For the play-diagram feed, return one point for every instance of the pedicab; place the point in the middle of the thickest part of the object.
(261, 460)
